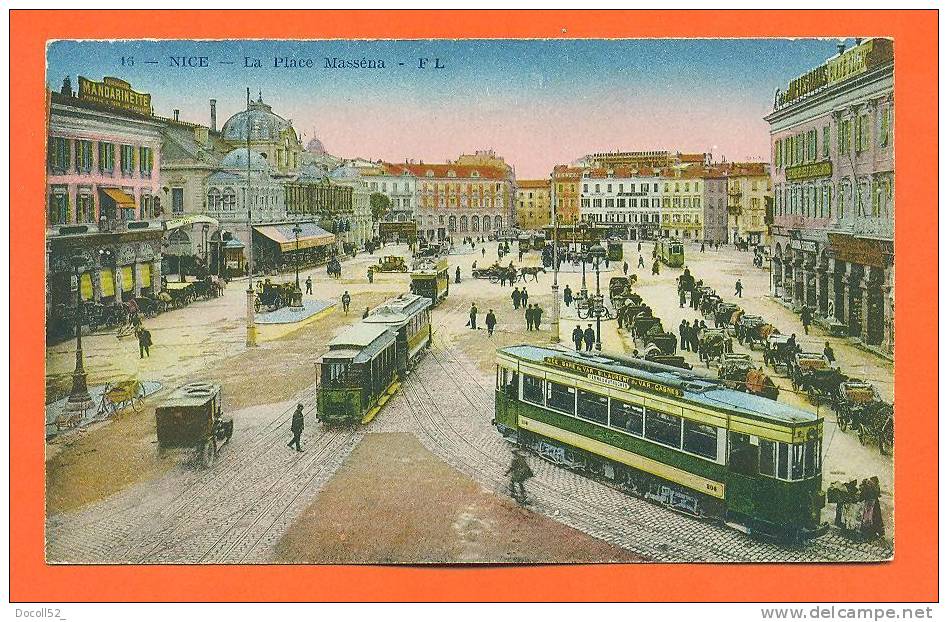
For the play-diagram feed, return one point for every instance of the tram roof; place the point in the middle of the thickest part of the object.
(398, 310)
(360, 342)
(697, 389)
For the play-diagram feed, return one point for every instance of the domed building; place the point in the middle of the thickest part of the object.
(315, 153)
(271, 135)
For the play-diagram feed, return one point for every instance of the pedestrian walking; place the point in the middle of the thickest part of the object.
(472, 321)
(567, 295)
(738, 288)
(296, 427)
(528, 316)
(578, 337)
(366, 313)
(346, 299)
(524, 296)
(519, 472)
(681, 297)
(503, 279)
(625, 268)
(806, 316)
(702, 247)
(144, 343)
(457, 274)
(515, 296)
(655, 267)
(483, 252)
(641, 261)
(370, 274)
(309, 285)
(490, 320)
(520, 256)
(640, 247)
(683, 329)
(589, 336)
(828, 353)
(537, 315)
(693, 336)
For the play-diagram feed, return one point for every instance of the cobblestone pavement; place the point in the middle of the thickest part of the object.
(239, 509)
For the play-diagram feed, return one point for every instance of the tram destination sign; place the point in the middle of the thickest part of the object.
(613, 379)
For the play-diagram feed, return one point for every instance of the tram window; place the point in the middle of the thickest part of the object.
(533, 390)
(700, 439)
(626, 417)
(782, 460)
(768, 458)
(742, 454)
(561, 397)
(796, 464)
(662, 428)
(809, 459)
(593, 407)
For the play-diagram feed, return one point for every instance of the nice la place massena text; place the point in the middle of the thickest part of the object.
(289, 62)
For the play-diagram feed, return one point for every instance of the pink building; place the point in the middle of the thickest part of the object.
(103, 153)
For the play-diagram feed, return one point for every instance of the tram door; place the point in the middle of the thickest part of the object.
(401, 356)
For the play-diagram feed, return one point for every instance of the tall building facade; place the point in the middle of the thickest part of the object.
(832, 136)
(629, 204)
(682, 204)
(103, 195)
(533, 203)
(715, 200)
(749, 192)
(398, 184)
(565, 184)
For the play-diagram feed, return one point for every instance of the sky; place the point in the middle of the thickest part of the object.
(537, 103)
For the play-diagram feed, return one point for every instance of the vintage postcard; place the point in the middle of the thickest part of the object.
(403, 300)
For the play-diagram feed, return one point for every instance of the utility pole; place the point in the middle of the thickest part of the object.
(555, 324)
(251, 320)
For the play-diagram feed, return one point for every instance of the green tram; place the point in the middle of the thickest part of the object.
(430, 279)
(671, 252)
(673, 437)
(362, 368)
(614, 250)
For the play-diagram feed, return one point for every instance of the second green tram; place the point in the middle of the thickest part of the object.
(671, 252)
(682, 440)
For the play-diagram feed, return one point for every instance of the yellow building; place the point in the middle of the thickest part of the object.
(565, 192)
(533, 203)
(749, 192)
(682, 207)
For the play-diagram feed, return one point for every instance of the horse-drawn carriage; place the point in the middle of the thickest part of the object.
(619, 289)
(813, 373)
(495, 272)
(390, 263)
(733, 369)
(779, 350)
(192, 418)
(753, 329)
(859, 406)
(629, 309)
(726, 314)
(273, 296)
(667, 343)
(713, 343)
(709, 303)
(672, 360)
(642, 324)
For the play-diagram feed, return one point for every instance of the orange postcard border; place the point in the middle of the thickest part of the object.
(912, 576)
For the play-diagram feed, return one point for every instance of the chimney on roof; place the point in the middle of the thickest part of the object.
(176, 113)
(840, 48)
(213, 115)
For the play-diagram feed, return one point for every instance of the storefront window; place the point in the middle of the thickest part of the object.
(58, 206)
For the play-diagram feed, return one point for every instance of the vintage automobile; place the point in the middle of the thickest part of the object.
(192, 418)
(812, 372)
(778, 351)
(629, 310)
(390, 263)
(733, 369)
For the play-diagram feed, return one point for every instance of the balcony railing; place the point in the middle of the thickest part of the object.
(883, 228)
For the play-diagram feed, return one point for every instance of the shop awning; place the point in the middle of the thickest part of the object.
(121, 198)
(310, 235)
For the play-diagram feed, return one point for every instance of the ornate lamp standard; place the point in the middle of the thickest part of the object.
(297, 302)
(597, 253)
(79, 399)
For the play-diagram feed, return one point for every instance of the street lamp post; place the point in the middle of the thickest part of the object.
(79, 399)
(555, 324)
(597, 252)
(297, 301)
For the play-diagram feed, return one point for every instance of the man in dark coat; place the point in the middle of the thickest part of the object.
(472, 322)
(490, 321)
(738, 288)
(589, 336)
(567, 295)
(524, 296)
(693, 335)
(683, 330)
(829, 354)
(346, 299)
(578, 337)
(144, 342)
(519, 472)
(806, 316)
(528, 315)
(296, 427)
(515, 296)
(641, 262)
(457, 274)
(625, 268)
(309, 285)
(537, 314)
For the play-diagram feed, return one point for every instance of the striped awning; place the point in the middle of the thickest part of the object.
(310, 235)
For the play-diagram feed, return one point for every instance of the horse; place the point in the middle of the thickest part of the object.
(532, 271)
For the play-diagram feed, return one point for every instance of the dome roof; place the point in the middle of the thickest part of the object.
(263, 123)
(237, 159)
(315, 147)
